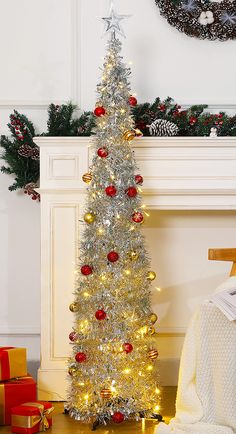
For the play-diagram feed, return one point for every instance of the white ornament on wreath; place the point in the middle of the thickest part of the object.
(213, 132)
(206, 18)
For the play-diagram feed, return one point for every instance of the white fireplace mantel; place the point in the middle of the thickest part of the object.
(179, 173)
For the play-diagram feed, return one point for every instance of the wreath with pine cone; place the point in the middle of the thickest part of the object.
(203, 19)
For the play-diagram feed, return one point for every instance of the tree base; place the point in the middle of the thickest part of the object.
(95, 424)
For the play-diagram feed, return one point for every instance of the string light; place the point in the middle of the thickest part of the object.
(100, 231)
(149, 368)
(158, 289)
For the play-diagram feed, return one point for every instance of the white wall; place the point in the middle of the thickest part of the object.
(51, 52)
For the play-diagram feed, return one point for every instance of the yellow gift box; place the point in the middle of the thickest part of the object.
(13, 363)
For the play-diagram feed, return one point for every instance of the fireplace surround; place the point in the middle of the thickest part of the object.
(186, 179)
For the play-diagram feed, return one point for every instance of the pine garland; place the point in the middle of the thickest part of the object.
(21, 154)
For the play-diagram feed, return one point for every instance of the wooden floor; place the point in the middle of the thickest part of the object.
(63, 424)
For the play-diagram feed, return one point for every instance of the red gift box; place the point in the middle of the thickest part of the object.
(13, 393)
(32, 417)
(12, 363)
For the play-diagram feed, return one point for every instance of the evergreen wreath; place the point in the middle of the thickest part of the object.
(203, 19)
(21, 154)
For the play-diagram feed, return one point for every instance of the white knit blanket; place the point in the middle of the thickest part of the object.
(206, 398)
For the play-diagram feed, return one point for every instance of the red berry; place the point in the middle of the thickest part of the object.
(192, 120)
(128, 348)
(138, 179)
(80, 357)
(133, 101)
(99, 111)
(162, 107)
(73, 336)
(113, 256)
(34, 197)
(100, 315)
(118, 417)
(102, 152)
(86, 270)
(137, 217)
(132, 192)
(111, 191)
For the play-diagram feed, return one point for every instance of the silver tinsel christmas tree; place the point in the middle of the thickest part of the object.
(112, 369)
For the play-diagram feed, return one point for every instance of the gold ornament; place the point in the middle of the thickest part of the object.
(74, 307)
(89, 218)
(151, 330)
(106, 393)
(153, 318)
(129, 135)
(151, 275)
(133, 255)
(138, 133)
(71, 371)
(153, 354)
(87, 177)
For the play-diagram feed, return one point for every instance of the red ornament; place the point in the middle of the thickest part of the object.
(192, 120)
(113, 256)
(128, 348)
(102, 152)
(99, 111)
(100, 315)
(111, 191)
(132, 192)
(86, 270)
(138, 179)
(137, 217)
(118, 417)
(73, 336)
(80, 357)
(133, 101)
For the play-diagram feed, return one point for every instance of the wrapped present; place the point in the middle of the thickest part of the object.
(31, 417)
(13, 393)
(12, 363)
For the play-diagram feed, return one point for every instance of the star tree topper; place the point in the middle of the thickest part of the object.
(113, 22)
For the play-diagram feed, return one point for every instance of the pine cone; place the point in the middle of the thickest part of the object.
(25, 151)
(162, 127)
(30, 190)
(35, 154)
